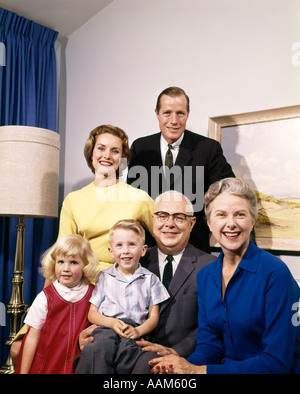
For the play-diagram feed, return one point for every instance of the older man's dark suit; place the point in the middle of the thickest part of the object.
(178, 318)
(195, 151)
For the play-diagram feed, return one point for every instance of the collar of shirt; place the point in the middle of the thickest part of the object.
(162, 261)
(71, 294)
(140, 271)
(164, 148)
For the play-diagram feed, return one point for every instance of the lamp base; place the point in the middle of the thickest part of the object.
(7, 368)
(16, 306)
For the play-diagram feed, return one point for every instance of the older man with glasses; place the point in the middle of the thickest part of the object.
(177, 263)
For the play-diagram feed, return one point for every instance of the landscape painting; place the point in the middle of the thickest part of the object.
(266, 155)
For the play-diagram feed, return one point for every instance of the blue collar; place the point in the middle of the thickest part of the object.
(249, 261)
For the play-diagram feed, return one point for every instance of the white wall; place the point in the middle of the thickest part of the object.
(230, 56)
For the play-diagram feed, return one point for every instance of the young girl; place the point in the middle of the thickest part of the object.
(59, 312)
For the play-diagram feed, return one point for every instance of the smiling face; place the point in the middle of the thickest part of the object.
(106, 155)
(172, 117)
(231, 223)
(69, 270)
(127, 248)
(171, 237)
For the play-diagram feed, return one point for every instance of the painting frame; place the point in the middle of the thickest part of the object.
(216, 127)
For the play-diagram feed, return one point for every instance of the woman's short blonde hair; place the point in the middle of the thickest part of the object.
(236, 186)
(73, 245)
(107, 129)
(128, 224)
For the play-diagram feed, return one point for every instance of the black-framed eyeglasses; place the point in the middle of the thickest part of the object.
(178, 217)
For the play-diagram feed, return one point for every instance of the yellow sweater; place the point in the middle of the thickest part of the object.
(92, 211)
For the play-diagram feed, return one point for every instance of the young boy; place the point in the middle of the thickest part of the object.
(125, 303)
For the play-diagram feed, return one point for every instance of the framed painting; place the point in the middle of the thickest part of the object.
(263, 148)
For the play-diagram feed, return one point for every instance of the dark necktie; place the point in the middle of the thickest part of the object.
(169, 157)
(168, 272)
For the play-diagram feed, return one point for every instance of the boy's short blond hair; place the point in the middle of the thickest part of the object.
(71, 246)
(128, 224)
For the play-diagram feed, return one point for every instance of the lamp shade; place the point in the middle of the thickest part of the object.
(29, 171)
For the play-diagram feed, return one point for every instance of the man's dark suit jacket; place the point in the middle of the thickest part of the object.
(195, 151)
(178, 317)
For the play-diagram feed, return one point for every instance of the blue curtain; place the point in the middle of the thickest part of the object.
(27, 98)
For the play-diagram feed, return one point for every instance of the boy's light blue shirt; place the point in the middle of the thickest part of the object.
(120, 297)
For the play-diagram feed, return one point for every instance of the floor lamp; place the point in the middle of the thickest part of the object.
(29, 168)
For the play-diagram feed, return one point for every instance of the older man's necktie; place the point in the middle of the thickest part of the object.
(168, 272)
(169, 157)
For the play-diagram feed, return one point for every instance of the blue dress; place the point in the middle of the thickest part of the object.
(255, 327)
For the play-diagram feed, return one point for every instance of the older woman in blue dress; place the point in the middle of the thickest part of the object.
(247, 298)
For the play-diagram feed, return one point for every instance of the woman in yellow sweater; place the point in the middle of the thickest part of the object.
(94, 209)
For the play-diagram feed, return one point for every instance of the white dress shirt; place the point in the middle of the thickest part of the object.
(164, 148)
(162, 261)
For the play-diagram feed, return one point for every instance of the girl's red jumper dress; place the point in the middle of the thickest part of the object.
(58, 344)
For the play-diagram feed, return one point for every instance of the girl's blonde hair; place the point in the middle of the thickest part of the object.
(71, 246)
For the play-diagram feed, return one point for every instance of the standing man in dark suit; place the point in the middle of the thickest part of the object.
(178, 159)
(173, 221)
